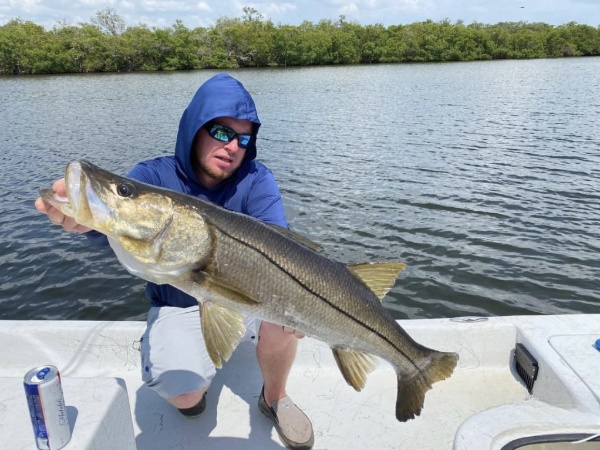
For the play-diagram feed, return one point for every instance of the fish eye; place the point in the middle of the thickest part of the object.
(124, 190)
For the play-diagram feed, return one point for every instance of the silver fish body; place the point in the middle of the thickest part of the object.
(234, 264)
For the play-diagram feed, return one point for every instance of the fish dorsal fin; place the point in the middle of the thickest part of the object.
(355, 366)
(379, 277)
(222, 328)
(297, 237)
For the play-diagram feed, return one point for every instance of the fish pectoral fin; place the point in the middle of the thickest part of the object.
(355, 366)
(379, 277)
(222, 328)
(211, 286)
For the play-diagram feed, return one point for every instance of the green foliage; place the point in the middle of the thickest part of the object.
(106, 44)
(21, 46)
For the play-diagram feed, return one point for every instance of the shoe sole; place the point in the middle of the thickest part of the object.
(270, 414)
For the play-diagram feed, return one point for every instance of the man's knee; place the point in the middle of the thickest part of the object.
(187, 400)
(274, 338)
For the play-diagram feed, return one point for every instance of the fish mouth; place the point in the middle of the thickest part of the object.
(73, 180)
(84, 192)
(53, 198)
(81, 201)
(69, 204)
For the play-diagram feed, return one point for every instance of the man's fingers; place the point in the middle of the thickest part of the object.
(56, 216)
(296, 333)
(60, 187)
(41, 205)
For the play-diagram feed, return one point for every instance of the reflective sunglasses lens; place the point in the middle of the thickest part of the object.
(224, 134)
(221, 133)
(243, 140)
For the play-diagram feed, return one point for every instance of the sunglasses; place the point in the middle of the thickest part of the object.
(223, 134)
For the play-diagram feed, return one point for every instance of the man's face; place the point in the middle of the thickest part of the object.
(215, 161)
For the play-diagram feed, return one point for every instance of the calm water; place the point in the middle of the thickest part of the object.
(483, 177)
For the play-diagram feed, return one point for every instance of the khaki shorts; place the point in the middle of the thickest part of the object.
(174, 356)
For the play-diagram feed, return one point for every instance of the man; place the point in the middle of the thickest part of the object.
(215, 159)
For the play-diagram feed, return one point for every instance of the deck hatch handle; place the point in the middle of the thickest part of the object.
(526, 365)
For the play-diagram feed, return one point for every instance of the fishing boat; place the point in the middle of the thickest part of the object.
(523, 382)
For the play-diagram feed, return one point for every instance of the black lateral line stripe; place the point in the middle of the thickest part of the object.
(335, 307)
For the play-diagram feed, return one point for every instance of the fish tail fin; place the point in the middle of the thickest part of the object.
(411, 391)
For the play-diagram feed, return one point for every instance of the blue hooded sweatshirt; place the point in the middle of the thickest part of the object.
(251, 190)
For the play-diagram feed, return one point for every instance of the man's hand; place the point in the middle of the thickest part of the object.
(296, 333)
(55, 215)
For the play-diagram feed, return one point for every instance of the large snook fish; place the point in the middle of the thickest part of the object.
(234, 264)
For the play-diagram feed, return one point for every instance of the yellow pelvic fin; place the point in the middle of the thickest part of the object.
(379, 277)
(223, 328)
(222, 325)
(355, 366)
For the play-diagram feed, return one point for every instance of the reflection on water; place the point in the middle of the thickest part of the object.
(484, 177)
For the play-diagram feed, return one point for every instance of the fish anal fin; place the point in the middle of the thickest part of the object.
(355, 366)
(379, 277)
(222, 328)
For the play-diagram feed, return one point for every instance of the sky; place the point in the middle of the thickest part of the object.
(204, 13)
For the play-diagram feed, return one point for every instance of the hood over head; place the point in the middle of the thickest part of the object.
(220, 96)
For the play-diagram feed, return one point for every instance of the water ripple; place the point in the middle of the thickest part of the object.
(483, 179)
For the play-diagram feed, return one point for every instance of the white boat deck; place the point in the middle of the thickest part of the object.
(483, 405)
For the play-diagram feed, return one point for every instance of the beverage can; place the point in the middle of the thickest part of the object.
(47, 408)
